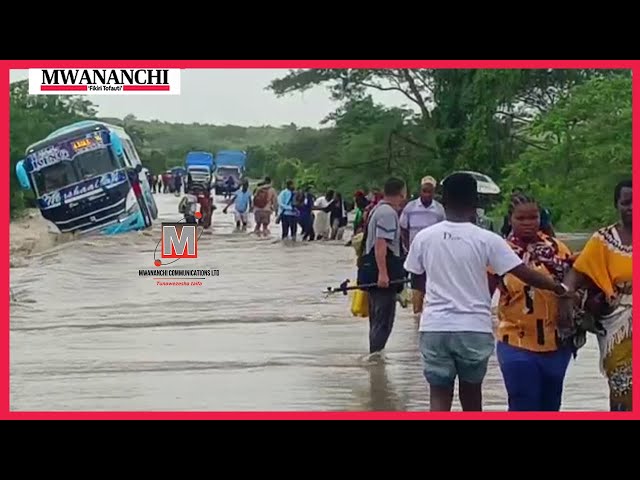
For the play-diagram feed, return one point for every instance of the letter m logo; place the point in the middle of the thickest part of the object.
(179, 240)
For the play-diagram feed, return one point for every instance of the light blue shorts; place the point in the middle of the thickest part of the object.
(447, 355)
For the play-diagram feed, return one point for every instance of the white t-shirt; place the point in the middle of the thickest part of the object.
(321, 223)
(455, 257)
(321, 202)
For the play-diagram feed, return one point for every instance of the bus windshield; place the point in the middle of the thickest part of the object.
(85, 165)
(54, 177)
(94, 163)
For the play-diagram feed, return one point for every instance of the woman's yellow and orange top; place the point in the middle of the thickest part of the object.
(608, 263)
(527, 317)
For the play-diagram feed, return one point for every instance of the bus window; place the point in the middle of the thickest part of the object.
(54, 177)
(126, 158)
(94, 163)
(131, 150)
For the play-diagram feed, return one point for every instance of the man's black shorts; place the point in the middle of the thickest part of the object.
(418, 282)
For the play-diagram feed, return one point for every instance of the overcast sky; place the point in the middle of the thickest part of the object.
(226, 96)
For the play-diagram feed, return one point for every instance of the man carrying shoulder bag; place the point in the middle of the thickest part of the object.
(382, 263)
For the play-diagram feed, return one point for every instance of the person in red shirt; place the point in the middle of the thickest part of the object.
(134, 180)
(377, 196)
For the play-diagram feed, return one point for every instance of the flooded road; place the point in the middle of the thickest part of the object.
(88, 333)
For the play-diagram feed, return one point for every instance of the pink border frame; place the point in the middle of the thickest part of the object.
(6, 65)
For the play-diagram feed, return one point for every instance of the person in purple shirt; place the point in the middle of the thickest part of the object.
(305, 207)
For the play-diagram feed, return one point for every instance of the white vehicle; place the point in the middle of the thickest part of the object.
(199, 174)
(486, 186)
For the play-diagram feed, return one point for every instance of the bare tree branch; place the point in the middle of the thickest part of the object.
(387, 89)
(514, 116)
(416, 92)
(423, 77)
(531, 144)
(413, 142)
(368, 163)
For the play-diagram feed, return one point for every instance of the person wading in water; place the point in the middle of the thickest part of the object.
(321, 223)
(306, 214)
(288, 213)
(264, 204)
(361, 203)
(456, 329)
(242, 204)
(532, 358)
(337, 217)
(417, 215)
(381, 263)
(605, 268)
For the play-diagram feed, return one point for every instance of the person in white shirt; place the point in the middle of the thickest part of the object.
(417, 215)
(188, 206)
(321, 223)
(456, 334)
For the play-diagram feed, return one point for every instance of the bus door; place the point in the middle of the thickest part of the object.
(132, 157)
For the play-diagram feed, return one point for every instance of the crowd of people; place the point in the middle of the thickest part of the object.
(297, 210)
(550, 297)
(166, 182)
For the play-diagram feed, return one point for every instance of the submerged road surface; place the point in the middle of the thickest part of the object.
(88, 333)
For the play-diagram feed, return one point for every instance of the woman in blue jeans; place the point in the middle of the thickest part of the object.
(532, 360)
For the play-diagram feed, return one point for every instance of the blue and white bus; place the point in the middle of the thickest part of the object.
(88, 177)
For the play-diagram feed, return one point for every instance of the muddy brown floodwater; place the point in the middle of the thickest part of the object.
(88, 333)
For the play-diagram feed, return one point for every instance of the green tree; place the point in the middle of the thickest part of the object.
(155, 160)
(493, 121)
(583, 150)
(466, 118)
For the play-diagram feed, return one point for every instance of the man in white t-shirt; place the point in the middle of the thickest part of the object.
(456, 334)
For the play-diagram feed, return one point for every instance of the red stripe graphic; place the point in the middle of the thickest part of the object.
(63, 88)
(147, 88)
(83, 88)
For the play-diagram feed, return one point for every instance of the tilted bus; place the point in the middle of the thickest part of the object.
(88, 177)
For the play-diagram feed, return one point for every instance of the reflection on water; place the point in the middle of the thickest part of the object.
(88, 333)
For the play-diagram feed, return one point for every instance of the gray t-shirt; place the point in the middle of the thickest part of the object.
(383, 223)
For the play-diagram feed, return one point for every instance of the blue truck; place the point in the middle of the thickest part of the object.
(230, 169)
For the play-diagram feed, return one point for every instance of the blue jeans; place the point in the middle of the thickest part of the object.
(534, 380)
(447, 355)
(306, 225)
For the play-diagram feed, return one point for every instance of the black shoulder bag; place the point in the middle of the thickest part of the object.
(368, 267)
